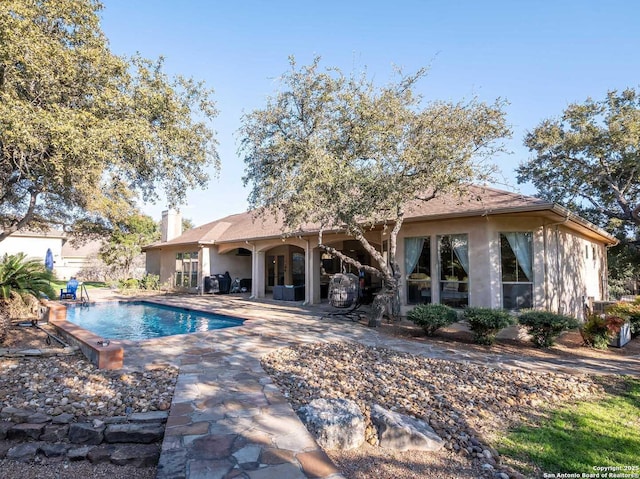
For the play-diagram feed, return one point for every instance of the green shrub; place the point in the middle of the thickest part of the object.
(545, 327)
(432, 317)
(129, 284)
(595, 332)
(150, 282)
(22, 282)
(628, 311)
(485, 323)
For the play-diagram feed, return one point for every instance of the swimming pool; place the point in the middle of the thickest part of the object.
(138, 320)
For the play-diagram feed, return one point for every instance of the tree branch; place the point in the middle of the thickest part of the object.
(15, 225)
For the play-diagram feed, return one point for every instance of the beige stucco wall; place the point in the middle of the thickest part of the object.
(237, 266)
(153, 260)
(568, 267)
(576, 270)
(482, 276)
(563, 274)
(162, 262)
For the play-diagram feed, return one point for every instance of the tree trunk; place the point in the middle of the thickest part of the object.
(5, 321)
(385, 302)
(380, 305)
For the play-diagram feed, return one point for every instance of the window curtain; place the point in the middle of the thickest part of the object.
(460, 246)
(521, 245)
(412, 252)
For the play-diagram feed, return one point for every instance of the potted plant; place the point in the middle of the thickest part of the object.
(619, 331)
(600, 331)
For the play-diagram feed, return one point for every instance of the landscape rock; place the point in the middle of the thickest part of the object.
(64, 418)
(431, 389)
(4, 429)
(38, 418)
(335, 423)
(24, 452)
(83, 433)
(24, 431)
(404, 433)
(87, 391)
(100, 454)
(16, 415)
(149, 416)
(141, 433)
(4, 448)
(79, 453)
(54, 450)
(137, 455)
(55, 432)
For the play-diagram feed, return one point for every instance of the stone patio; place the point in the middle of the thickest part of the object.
(227, 418)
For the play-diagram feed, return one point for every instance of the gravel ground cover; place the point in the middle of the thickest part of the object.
(71, 384)
(466, 404)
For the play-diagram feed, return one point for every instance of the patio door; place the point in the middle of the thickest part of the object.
(275, 271)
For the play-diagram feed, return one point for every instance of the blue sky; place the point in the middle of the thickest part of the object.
(539, 55)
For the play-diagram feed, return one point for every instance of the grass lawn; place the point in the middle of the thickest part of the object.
(578, 437)
(58, 285)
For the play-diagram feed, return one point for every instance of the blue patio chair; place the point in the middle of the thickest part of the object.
(70, 292)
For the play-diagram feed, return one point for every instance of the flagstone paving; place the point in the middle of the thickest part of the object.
(228, 419)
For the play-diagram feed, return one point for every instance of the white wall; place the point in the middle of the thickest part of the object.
(35, 247)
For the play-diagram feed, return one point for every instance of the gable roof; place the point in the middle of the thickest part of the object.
(476, 201)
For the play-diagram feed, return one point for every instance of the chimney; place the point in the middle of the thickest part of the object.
(171, 225)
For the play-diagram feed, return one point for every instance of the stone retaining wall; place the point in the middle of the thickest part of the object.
(125, 440)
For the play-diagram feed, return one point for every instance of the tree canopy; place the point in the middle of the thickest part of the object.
(589, 159)
(126, 241)
(85, 134)
(340, 152)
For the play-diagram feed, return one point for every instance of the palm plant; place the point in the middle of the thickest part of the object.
(21, 279)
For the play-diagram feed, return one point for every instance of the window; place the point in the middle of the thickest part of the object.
(417, 262)
(516, 257)
(187, 270)
(297, 269)
(453, 260)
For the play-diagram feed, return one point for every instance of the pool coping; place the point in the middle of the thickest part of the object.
(104, 354)
(109, 353)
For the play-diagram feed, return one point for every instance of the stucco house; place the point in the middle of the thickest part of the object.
(69, 260)
(490, 248)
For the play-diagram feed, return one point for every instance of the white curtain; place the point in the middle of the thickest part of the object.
(521, 246)
(412, 252)
(460, 246)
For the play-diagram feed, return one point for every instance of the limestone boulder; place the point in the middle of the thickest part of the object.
(335, 423)
(403, 433)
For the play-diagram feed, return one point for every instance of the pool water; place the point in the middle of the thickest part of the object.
(140, 320)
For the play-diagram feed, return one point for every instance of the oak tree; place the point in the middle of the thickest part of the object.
(588, 159)
(125, 243)
(342, 153)
(86, 134)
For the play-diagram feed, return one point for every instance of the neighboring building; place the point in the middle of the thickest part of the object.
(69, 260)
(491, 248)
(81, 261)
